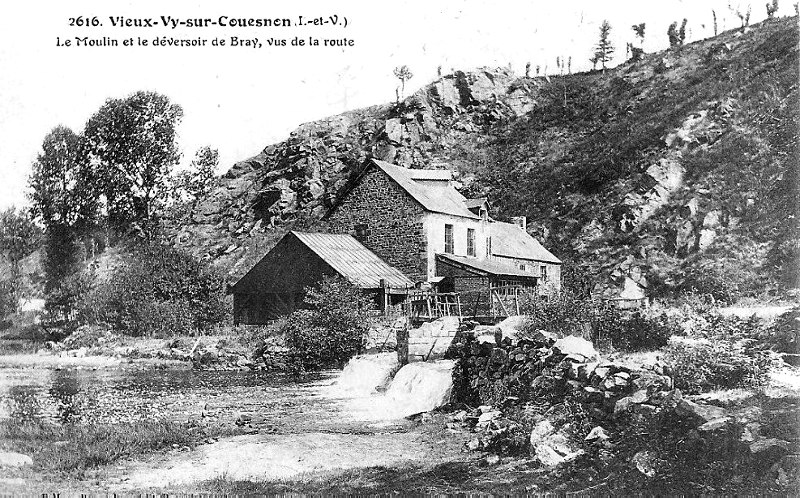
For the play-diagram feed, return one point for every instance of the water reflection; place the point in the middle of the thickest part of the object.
(64, 389)
(126, 395)
(23, 403)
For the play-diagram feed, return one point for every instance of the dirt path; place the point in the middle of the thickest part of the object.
(263, 456)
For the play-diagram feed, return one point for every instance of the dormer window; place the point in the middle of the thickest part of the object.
(484, 214)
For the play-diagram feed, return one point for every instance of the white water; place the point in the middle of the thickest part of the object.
(367, 374)
(415, 388)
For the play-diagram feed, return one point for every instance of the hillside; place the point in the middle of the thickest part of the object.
(678, 171)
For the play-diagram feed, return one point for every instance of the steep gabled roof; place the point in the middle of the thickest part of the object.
(352, 260)
(486, 266)
(431, 188)
(512, 241)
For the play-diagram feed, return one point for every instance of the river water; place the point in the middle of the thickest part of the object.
(333, 401)
(125, 394)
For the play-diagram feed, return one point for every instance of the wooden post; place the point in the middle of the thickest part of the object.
(402, 342)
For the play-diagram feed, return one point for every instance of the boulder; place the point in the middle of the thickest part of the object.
(645, 462)
(787, 470)
(552, 447)
(597, 434)
(572, 345)
(715, 425)
(701, 413)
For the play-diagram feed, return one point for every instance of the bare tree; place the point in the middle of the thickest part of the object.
(743, 15)
(402, 73)
(714, 15)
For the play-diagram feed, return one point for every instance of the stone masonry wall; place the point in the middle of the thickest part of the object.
(393, 220)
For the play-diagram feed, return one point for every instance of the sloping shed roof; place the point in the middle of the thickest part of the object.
(489, 266)
(430, 188)
(512, 241)
(352, 260)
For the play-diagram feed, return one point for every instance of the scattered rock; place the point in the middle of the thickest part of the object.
(714, 425)
(597, 434)
(552, 447)
(703, 413)
(645, 462)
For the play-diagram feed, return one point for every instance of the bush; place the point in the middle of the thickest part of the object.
(335, 327)
(704, 366)
(158, 291)
(637, 331)
(565, 314)
(784, 335)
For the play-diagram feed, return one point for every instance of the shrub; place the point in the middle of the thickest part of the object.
(565, 314)
(158, 291)
(701, 366)
(637, 331)
(784, 335)
(333, 330)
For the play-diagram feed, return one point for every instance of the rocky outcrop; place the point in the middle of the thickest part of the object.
(652, 206)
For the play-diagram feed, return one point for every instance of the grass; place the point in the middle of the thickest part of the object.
(511, 477)
(73, 449)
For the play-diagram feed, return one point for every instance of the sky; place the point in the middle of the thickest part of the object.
(241, 99)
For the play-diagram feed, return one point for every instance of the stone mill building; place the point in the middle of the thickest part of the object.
(397, 230)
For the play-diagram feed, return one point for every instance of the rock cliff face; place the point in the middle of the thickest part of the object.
(675, 171)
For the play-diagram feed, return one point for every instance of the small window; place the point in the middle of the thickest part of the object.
(522, 266)
(470, 242)
(361, 231)
(543, 273)
(448, 239)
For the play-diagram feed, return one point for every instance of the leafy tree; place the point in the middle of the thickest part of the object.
(635, 49)
(19, 236)
(64, 200)
(677, 36)
(61, 182)
(604, 49)
(198, 179)
(402, 73)
(772, 8)
(132, 144)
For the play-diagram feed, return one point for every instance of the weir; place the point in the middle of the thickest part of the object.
(415, 388)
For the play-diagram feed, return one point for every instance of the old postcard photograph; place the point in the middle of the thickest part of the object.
(417, 247)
